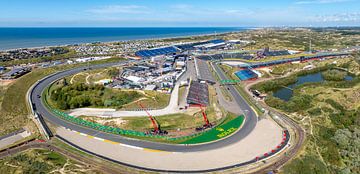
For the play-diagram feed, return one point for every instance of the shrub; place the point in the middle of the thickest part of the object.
(82, 95)
(334, 75)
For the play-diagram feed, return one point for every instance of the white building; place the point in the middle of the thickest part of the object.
(135, 79)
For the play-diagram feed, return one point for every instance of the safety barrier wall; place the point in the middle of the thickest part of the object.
(113, 130)
(119, 131)
(43, 127)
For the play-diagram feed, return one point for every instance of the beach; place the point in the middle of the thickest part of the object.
(16, 38)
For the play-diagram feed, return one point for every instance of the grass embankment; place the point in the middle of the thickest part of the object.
(41, 161)
(150, 99)
(14, 108)
(14, 112)
(330, 114)
(3, 89)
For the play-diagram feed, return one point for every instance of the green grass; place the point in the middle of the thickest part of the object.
(154, 99)
(305, 165)
(71, 96)
(14, 108)
(41, 161)
(60, 144)
(2, 93)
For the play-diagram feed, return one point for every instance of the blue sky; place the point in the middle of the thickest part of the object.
(178, 13)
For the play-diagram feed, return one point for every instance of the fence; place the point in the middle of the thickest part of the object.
(119, 131)
(114, 130)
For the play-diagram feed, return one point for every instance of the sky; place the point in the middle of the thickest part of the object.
(178, 13)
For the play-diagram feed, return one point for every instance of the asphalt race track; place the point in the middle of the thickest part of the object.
(40, 108)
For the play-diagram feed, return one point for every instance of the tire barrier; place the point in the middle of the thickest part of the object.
(285, 140)
(264, 157)
(114, 130)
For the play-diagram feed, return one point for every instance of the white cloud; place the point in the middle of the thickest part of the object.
(181, 7)
(340, 17)
(118, 9)
(320, 1)
(237, 12)
(203, 12)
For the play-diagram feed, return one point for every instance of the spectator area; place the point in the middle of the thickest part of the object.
(156, 52)
(191, 46)
(246, 74)
(226, 56)
(277, 53)
(203, 72)
(198, 94)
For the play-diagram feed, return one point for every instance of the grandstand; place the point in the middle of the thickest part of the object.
(211, 57)
(276, 53)
(302, 58)
(193, 46)
(226, 55)
(246, 74)
(237, 56)
(203, 72)
(156, 52)
(198, 94)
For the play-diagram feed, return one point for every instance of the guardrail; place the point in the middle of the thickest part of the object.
(118, 131)
(40, 121)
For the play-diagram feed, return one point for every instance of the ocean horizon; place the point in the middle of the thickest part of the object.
(15, 38)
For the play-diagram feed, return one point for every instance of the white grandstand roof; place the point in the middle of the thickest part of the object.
(134, 79)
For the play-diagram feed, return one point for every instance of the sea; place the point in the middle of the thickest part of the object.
(14, 38)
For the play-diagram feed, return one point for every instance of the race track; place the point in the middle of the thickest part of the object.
(232, 141)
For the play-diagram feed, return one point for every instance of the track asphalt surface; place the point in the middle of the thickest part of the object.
(40, 108)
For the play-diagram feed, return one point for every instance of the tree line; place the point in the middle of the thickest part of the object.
(80, 95)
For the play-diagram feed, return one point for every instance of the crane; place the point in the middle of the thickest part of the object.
(155, 125)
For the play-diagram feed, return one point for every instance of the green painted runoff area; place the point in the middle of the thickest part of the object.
(214, 134)
(218, 132)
